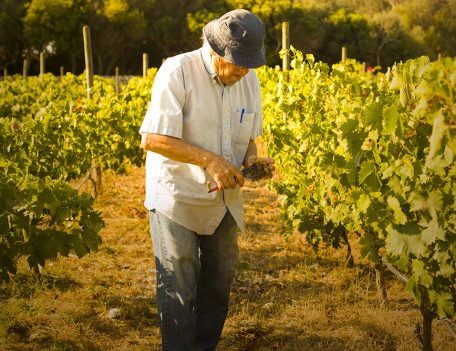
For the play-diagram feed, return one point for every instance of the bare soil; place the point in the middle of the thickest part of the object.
(285, 296)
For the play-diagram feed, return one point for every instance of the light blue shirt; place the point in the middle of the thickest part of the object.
(189, 102)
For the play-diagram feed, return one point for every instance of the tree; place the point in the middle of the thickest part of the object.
(442, 37)
(117, 30)
(393, 43)
(431, 23)
(379, 32)
(11, 32)
(174, 27)
(352, 31)
(198, 19)
(55, 27)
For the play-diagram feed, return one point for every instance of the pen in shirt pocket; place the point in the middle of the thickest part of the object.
(242, 115)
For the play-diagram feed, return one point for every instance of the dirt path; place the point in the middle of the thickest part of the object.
(285, 297)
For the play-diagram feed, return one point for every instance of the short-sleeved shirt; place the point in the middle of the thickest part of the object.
(189, 102)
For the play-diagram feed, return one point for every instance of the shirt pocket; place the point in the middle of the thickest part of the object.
(243, 122)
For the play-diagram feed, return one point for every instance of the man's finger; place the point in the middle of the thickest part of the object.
(239, 178)
(233, 181)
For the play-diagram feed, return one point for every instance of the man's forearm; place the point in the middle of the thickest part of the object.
(176, 149)
(251, 154)
(225, 174)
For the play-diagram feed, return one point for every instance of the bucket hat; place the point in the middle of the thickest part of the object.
(238, 37)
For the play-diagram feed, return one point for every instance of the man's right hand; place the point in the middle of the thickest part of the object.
(225, 174)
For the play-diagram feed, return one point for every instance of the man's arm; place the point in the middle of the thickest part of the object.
(225, 174)
(251, 154)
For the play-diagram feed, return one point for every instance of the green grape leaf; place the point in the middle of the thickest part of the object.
(391, 118)
(396, 82)
(62, 214)
(452, 145)
(373, 181)
(363, 203)
(399, 244)
(367, 167)
(444, 302)
(373, 113)
(439, 129)
(448, 155)
(403, 97)
(421, 274)
(349, 126)
(412, 286)
(399, 216)
(432, 233)
(79, 247)
(433, 203)
(368, 247)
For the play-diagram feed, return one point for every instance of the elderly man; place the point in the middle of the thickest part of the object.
(200, 128)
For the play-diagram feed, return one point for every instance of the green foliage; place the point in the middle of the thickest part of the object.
(350, 30)
(50, 134)
(11, 31)
(118, 30)
(374, 31)
(42, 218)
(430, 23)
(373, 154)
(198, 19)
(50, 26)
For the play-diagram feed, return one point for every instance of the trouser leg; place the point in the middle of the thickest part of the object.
(177, 266)
(218, 256)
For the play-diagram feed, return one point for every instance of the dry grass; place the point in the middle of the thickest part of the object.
(285, 297)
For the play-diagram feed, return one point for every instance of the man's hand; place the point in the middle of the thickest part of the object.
(225, 174)
(251, 156)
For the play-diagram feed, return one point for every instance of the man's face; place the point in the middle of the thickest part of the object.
(227, 72)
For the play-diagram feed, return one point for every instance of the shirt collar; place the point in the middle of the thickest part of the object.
(207, 62)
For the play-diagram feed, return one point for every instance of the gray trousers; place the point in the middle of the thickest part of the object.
(194, 276)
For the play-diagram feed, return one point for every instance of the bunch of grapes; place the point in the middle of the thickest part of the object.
(258, 170)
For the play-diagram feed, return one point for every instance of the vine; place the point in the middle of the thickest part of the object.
(371, 155)
(51, 134)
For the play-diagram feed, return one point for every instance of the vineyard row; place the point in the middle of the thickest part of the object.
(362, 155)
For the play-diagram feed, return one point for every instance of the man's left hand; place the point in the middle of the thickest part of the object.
(250, 160)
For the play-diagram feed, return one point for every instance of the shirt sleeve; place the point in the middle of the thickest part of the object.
(164, 114)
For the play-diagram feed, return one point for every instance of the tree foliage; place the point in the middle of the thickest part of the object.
(50, 26)
(431, 23)
(379, 32)
(11, 32)
(118, 29)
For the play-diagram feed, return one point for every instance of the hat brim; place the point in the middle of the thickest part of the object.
(243, 59)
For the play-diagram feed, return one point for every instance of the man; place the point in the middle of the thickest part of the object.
(200, 128)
